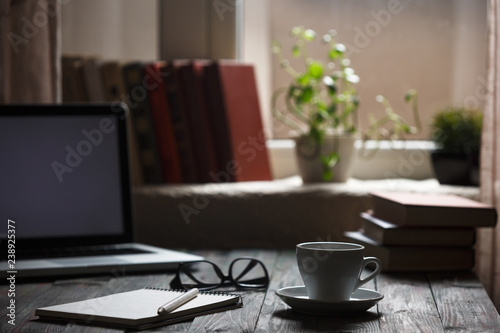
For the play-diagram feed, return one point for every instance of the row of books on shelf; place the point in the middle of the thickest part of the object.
(192, 121)
(422, 232)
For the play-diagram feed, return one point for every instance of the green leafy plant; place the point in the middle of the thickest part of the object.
(322, 98)
(399, 127)
(457, 130)
(391, 126)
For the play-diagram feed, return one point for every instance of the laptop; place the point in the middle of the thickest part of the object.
(65, 194)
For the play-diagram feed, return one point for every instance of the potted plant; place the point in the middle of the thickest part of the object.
(456, 132)
(320, 106)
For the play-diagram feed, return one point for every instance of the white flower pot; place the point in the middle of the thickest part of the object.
(309, 163)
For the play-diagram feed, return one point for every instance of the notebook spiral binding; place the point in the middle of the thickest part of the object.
(166, 289)
(216, 293)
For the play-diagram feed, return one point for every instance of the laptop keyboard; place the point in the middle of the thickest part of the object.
(87, 251)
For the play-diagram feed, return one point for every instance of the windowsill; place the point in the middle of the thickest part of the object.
(374, 160)
(275, 214)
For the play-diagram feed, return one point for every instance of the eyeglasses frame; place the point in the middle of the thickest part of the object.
(177, 284)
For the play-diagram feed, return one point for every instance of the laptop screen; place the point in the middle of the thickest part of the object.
(64, 174)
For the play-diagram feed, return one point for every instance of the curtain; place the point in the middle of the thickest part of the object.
(30, 51)
(488, 247)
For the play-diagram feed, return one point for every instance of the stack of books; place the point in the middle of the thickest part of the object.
(192, 120)
(422, 232)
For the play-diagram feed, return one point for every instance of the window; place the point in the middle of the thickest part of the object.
(435, 47)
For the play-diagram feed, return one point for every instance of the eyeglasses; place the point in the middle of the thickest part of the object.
(205, 275)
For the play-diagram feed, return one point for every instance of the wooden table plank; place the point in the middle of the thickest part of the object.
(408, 304)
(463, 303)
(237, 320)
(276, 316)
(363, 322)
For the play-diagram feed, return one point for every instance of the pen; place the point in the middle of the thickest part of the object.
(178, 301)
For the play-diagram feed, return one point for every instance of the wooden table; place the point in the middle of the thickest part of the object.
(424, 302)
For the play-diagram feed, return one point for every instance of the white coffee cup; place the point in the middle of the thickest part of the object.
(332, 270)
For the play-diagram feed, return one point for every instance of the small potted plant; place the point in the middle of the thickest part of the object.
(320, 106)
(456, 132)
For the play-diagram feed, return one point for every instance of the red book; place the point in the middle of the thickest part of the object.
(189, 75)
(234, 108)
(180, 125)
(436, 210)
(155, 73)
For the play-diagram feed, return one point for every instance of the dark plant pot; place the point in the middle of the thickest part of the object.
(456, 169)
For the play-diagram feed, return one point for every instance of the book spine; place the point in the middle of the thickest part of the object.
(73, 89)
(389, 211)
(415, 259)
(250, 161)
(92, 80)
(194, 110)
(180, 127)
(112, 81)
(421, 210)
(373, 230)
(387, 234)
(162, 123)
(141, 119)
(216, 110)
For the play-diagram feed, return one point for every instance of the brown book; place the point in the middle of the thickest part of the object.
(412, 258)
(189, 75)
(162, 122)
(92, 79)
(235, 117)
(73, 89)
(389, 234)
(112, 81)
(133, 74)
(432, 210)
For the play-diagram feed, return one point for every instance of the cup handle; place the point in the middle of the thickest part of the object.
(366, 261)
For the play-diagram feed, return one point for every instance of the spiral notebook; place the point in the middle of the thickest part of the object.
(138, 309)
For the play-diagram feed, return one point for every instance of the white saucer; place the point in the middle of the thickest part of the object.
(296, 297)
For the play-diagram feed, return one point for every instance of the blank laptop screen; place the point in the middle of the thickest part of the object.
(62, 174)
